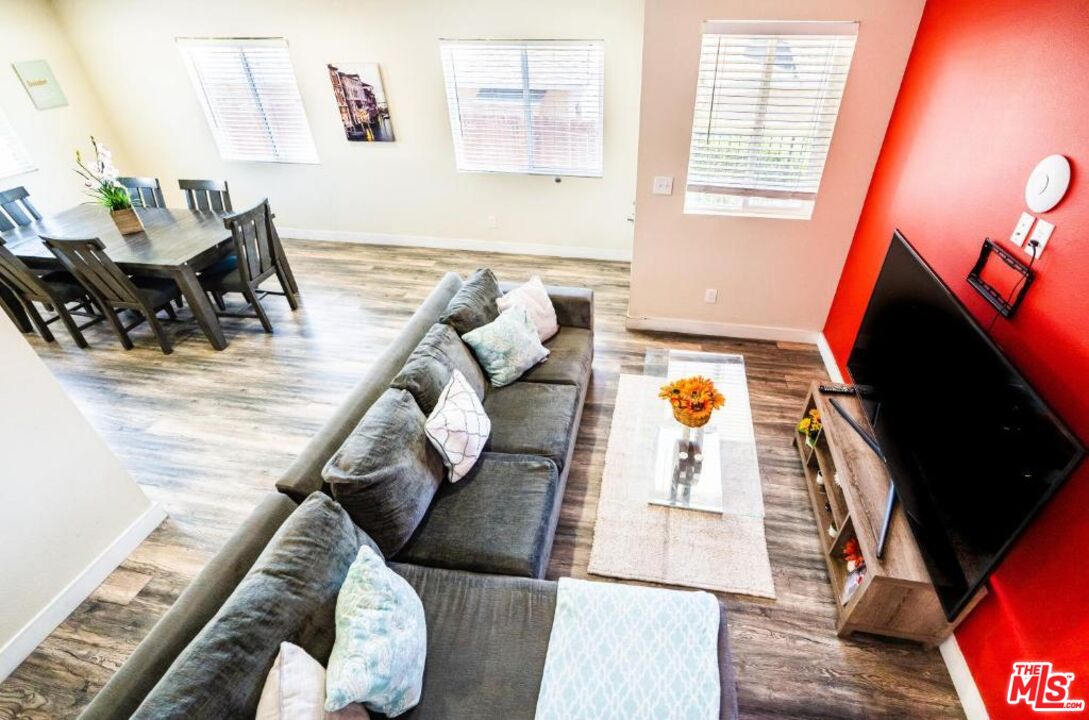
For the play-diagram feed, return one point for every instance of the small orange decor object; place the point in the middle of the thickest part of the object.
(852, 554)
(693, 400)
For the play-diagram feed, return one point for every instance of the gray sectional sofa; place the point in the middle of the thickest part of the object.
(475, 559)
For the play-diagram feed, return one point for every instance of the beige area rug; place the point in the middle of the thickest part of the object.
(636, 540)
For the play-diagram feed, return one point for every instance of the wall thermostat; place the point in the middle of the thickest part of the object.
(1048, 183)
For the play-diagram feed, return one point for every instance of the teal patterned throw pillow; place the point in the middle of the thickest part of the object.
(381, 640)
(508, 346)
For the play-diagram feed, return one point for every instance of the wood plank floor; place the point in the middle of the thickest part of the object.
(206, 434)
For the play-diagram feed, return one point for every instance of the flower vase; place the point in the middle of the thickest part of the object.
(127, 221)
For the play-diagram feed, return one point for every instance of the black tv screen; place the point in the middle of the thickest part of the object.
(972, 449)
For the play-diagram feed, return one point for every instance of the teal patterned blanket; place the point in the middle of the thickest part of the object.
(623, 651)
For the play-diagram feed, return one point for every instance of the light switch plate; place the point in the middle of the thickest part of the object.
(663, 185)
(1042, 233)
(1022, 230)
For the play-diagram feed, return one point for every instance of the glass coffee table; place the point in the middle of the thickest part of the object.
(713, 468)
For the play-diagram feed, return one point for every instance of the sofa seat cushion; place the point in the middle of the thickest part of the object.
(428, 369)
(495, 520)
(289, 595)
(386, 472)
(530, 418)
(571, 353)
(487, 638)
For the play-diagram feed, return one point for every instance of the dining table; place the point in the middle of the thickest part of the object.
(176, 243)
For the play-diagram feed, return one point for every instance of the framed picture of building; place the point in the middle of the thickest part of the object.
(361, 100)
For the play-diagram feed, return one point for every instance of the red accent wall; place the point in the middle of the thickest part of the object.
(992, 87)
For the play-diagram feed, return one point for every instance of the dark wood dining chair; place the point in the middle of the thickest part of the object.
(56, 291)
(259, 257)
(206, 195)
(113, 290)
(145, 192)
(17, 209)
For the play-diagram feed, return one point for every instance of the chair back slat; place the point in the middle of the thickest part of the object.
(17, 276)
(88, 262)
(143, 191)
(206, 195)
(17, 208)
(253, 235)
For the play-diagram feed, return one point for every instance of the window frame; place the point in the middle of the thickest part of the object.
(756, 201)
(529, 97)
(310, 153)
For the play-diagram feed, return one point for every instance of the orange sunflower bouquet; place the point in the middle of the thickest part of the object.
(693, 400)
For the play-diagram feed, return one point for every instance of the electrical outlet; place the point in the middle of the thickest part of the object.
(710, 296)
(493, 222)
(1021, 231)
(663, 185)
(1041, 234)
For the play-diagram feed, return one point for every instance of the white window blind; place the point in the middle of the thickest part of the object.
(767, 98)
(248, 91)
(14, 159)
(532, 107)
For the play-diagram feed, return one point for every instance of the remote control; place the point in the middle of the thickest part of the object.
(838, 389)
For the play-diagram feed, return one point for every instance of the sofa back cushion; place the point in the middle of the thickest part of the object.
(386, 473)
(430, 366)
(475, 304)
(289, 595)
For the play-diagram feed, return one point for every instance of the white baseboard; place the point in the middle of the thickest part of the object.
(720, 329)
(446, 243)
(829, 359)
(970, 699)
(67, 600)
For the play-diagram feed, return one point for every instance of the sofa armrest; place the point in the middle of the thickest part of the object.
(197, 604)
(574, 306)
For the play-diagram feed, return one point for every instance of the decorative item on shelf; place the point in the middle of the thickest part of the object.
(835, 479)
(100, 182)
(852, 555)
(832, 530)
(810, 426)
(693, 400)
(820, 479)
(856, 568)
(852, 583)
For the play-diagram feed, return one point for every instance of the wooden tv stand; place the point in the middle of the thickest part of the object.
(896, 597)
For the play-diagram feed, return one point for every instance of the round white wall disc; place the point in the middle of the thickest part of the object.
(1048, 183)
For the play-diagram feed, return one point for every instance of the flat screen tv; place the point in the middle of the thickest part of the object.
(973, 450)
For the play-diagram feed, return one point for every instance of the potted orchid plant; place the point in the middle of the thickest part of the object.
(100, 182)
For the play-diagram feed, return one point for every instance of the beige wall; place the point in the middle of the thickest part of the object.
(30, 30)
(778, 274)
(407, 188)
(67, 506)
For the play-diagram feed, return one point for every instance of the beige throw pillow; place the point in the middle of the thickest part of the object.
(534, 297)
(295, 690)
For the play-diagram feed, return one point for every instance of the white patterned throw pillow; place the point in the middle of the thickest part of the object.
(508, 346)
(458, 427)
(535, 298)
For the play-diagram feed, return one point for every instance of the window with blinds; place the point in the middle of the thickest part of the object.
(14, 159)
(767, 98)
(533, 107)
(250, 97)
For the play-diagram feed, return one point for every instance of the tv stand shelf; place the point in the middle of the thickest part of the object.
(848, 486)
